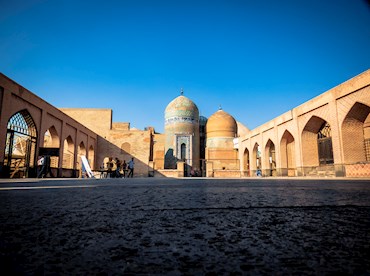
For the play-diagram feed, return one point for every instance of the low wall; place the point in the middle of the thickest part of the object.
(166, 173)
(226, 173)
(358, 170)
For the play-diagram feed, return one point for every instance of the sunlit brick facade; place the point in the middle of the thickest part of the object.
(328, 136)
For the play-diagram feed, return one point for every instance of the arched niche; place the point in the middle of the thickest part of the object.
(52, 140)
(91, 157)
(256, 164)
(287, 154)
(246, 162)
(317, 149)
(356, 134)
(270, 160)
(68, 153)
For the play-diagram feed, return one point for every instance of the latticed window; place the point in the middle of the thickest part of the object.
(20, 147)
(367, 149)
(325, 146)
(22, 123)
(325, 131)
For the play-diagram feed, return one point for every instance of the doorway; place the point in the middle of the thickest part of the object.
(20, 148)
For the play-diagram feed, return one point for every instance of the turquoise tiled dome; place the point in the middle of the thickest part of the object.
(182, 107)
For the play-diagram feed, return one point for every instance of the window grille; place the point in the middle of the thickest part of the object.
(325, 146)
(22, 123)
(324, 132)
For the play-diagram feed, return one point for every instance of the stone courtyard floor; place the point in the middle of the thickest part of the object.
(168, 226)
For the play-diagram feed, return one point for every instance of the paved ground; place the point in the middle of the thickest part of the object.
(185, 226)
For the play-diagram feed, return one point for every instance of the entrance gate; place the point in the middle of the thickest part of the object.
(20, 149)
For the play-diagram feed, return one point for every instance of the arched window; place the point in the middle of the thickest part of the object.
(20, 149)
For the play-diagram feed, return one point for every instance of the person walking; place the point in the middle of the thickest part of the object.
(131, 166)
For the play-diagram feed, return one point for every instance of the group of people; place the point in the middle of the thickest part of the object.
(117, 169)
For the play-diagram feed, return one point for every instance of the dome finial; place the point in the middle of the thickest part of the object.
(219, 107)
(182, 92)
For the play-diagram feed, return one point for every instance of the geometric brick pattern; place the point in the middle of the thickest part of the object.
(358, 170)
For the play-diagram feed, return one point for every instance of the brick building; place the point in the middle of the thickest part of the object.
(30, 127)
(326, 136)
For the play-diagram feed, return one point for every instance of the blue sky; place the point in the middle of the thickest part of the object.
(257, 59)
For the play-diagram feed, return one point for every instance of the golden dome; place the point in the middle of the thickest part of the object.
(221, 124)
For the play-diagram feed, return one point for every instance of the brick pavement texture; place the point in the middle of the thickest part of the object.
(185, 227)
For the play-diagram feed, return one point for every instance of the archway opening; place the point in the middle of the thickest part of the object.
(246, 163)
(256, 164)
(81, 152)
(287, 153)
(52, 140)
(68, 153)
(356, 134)
(317, 149)
(91, 157)
(271, 158)
(20, 148)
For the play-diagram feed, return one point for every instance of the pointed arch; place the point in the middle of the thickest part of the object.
(91, 155)
(256, 161)
(68, 153)
(270, 160)
(246, 163)
(356, 134)
(81, 149)
(317, 146)
(183, 151)
(20, 148)
(287, 154)
(52, 140)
